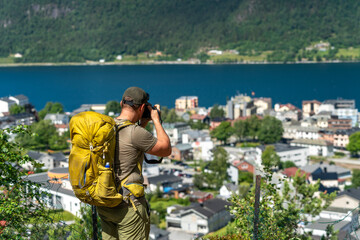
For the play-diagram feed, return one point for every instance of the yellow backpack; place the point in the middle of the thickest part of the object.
(91, 161)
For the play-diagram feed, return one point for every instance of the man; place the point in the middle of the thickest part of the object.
(130, 219)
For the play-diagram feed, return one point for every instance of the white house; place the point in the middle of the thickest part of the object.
(227, 190)
(57, 118)
(165, 182)
(340, 213)
(307, 133)
(202, 150)
(61, 194)
(5, 104)
(50, 161)
(286, 152)
(175, 131)
(20, 99)
(317, 147)
(205, 217)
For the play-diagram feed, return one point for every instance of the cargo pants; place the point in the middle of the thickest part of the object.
(124, 223)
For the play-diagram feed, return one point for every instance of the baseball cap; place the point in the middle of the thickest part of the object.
(135, 95)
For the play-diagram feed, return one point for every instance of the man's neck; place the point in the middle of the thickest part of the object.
(128, 116)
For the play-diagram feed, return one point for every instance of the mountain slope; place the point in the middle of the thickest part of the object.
(64, 30)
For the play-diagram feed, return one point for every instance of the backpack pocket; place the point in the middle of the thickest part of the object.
(105, 189)
(136, 189)
(79, 163)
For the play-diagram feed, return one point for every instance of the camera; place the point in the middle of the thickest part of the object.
(147, 114)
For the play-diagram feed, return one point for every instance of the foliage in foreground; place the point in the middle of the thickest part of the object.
(21, 200)
(83, 229)
(281, 208)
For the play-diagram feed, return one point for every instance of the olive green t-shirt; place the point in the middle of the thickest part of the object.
(132, 142)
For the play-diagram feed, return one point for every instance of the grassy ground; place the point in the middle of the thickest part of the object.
(219, 233)
(61, 215)
(228, 57)
(348, 52)
(6, 60)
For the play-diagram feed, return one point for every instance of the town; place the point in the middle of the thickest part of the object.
(217, 153)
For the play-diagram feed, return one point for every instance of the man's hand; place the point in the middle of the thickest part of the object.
(154, 113)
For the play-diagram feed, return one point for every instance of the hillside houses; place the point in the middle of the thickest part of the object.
(205, 217)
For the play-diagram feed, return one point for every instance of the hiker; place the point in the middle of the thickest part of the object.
(130, 219)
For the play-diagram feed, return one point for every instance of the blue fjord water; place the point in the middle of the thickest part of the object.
(76, 85)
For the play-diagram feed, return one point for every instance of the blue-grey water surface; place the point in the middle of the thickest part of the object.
(76, 85)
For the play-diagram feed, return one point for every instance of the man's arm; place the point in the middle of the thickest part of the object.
(162, 148)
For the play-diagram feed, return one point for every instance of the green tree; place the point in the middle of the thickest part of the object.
(354, 144)
(44, 137)
(16, 109)
(198, 181)
(288, 164)
(355, 180)
(222, 132)
(58, 142)
(254, 124)
(217, 112)
(112, 107)
(241, 129)
(331, 234)
(198, 125)
(217, 169)
(51, 107)
(246, 177)
(281, 209)
(21, 201)
(83, 229)
(172, 117)
(270, 158)
(271, 130)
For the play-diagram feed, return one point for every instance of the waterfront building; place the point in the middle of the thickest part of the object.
(262, 104)
(240, 106)
(20, 99)
(337, 123)
(341, 137)
(5, 104)
(186, 103)
(343, 108)
(310, 108)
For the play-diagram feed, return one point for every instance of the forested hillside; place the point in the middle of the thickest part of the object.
(73, 30)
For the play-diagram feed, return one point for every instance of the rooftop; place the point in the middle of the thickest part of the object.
(187, 97)
(6, 99)
(325, 176)
(46, 183)
(352, 192)
(281, 147)
(164, 178)
(322, 223)
(21, 97)
(329, 168)
(208, 208)
(183, 147)
(347, 131)
(319, 142)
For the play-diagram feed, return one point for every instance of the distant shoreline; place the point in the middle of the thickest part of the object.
(160, 63)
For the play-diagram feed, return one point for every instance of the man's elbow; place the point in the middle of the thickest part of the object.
(168, 151)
